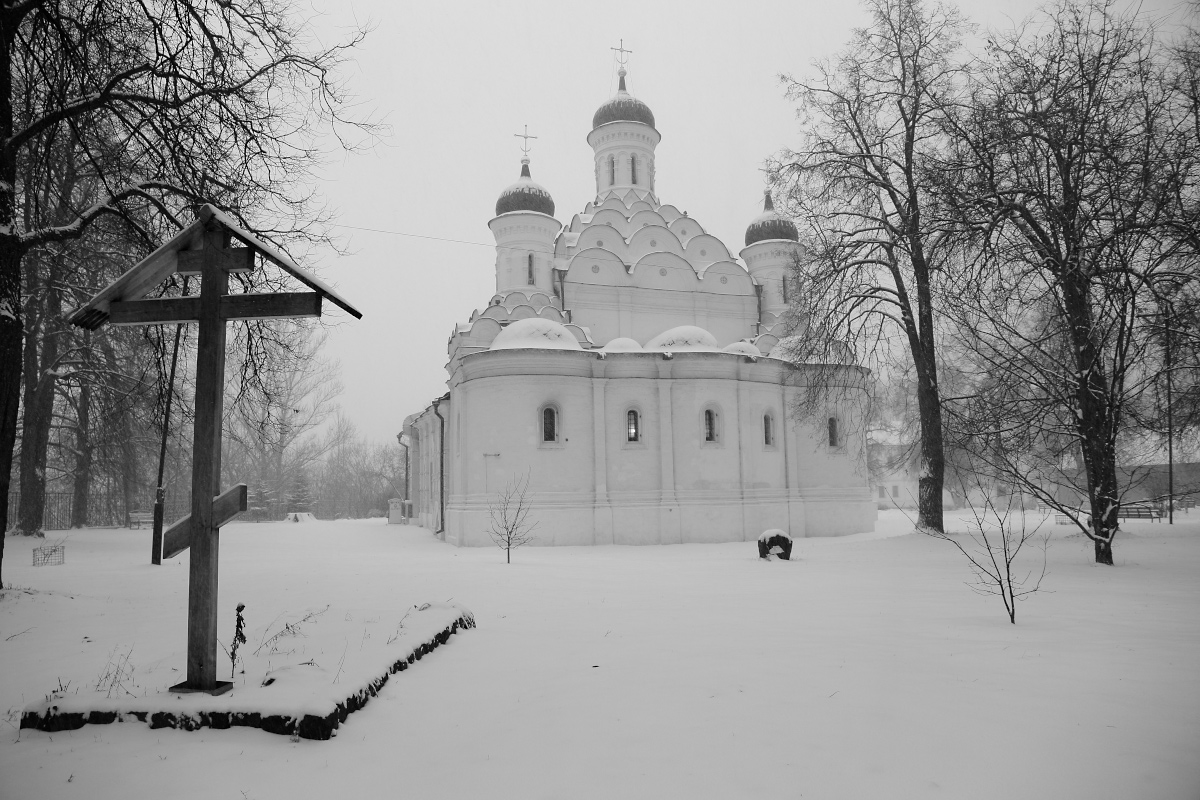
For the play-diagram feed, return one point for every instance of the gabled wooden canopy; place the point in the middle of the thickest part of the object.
(156, 267)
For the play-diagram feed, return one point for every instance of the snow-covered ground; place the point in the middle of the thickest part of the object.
(862, 668)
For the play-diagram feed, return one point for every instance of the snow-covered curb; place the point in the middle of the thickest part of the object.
(294, 699)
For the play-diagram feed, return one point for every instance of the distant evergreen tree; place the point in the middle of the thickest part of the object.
(259, 503)
(300, 495)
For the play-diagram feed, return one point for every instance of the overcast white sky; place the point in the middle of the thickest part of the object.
(455, 81)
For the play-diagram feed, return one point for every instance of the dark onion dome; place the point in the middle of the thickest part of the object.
(525, 195)
(623, 108)
(770, 225)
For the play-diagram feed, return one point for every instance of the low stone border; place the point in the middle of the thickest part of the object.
(309, 726)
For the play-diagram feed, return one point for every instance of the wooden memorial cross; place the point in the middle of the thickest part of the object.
(203, 248)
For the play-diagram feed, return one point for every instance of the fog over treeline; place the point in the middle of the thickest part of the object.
(1001, 224)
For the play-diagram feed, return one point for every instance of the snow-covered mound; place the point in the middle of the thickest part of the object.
(622, 344)
(297, 675)
(744, 349)
(685, 337)
(535, 332)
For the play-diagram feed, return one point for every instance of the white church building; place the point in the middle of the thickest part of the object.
(630, 368)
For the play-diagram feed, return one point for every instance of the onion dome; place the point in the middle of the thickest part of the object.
(770, 225)
(525, 195)
(624, 107)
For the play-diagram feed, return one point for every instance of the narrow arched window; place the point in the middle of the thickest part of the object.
(530, 269)
(787, 295)
(834, 439)
(633, 169)
(768, 430)
(549, 424)
(612, 171)
(710, 425)
(633, 427)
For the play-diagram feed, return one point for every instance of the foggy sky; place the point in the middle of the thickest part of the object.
(456, 81)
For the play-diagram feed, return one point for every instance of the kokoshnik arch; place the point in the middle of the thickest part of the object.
(635, 371)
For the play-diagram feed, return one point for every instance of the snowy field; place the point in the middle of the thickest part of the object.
(864, 668)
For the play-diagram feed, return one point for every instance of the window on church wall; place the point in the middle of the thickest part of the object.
(786, 290)
(834, 434)
(712, 429)
(530, 276)
(633, 426)
(612, 171)
(549, 424)
(633, 170)
(768, 430)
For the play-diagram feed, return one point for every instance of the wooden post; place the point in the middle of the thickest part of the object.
(206, 469)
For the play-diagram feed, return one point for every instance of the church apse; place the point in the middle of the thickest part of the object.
(633, 308)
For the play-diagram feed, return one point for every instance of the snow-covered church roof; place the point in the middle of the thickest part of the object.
(535, 332)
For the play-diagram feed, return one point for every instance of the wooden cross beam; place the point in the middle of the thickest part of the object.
(178, 537)
(203, 249)
(164, 310)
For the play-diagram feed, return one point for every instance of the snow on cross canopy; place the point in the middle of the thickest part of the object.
(156, 267)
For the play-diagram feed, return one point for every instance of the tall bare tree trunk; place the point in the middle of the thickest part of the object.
(11, 337)
(40, 384)
(933, 458)
(83, 457)
(1095, 421)
(929, 399)
(128, 450)
(11, 328)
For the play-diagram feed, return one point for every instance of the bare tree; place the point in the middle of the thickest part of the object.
(280, 426)
(999, 533)
(509, 512)
(1073, 159)
(156, 105)
(873, 245)
(357, 478)
(64, 367)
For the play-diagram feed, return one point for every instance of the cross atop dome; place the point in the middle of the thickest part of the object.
(623, 107)
(622, 53)
(525, 145)
(622, 60)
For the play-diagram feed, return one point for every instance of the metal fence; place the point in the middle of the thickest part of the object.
(109, 510)
(104, 510)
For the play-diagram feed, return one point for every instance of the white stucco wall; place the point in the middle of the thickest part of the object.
(520, 234)
(595, 487)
